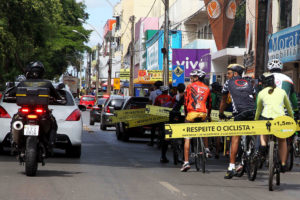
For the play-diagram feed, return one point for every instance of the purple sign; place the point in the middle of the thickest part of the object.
(192, 59)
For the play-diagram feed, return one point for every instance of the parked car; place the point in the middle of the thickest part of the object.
(88, 101)
(68, 118)
(122, 131)
(115, 102)
(95, 112)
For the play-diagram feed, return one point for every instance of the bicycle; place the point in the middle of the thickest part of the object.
(199, 154)
(249, 162)
(274, 162)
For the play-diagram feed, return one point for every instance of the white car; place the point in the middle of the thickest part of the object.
(68, 118)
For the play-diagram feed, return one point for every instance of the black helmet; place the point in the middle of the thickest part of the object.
(180, 87)
(35, 70)
(267, 79)
(157, 84)
(236, 68)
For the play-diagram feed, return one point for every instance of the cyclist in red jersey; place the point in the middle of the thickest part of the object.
(164, 100)
(198, 105)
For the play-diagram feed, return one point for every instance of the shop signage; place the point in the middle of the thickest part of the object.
(124, 74)
(285, 44)
(192, 59)
(152, 75)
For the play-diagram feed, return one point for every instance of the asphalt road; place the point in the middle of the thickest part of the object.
(110, 169)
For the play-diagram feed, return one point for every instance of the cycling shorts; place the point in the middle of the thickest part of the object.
(247, 115)
(191, 116)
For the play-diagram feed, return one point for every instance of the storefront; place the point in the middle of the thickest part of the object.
(285, 45)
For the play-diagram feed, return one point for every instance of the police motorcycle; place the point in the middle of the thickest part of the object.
(33, 134)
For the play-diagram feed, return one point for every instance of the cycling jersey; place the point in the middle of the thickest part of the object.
(163, 100)
(284, 82)
(271, 105)
(197, 97)
(241, 93)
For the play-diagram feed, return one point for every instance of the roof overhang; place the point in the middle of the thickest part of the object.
(228, 52)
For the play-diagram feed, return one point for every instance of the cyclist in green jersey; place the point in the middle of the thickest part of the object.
(270, 104)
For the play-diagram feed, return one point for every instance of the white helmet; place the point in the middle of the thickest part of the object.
(201, 74)
(194, 73)
(275, 64)
(164, 88)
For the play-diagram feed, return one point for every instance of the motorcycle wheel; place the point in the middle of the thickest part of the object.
(31, 164)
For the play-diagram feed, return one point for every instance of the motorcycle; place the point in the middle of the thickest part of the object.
(33, 138)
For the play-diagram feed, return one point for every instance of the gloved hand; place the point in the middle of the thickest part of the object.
(222, 116)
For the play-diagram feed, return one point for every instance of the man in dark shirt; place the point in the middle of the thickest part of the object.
(243, 103)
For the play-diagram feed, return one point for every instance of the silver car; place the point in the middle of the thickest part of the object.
(68, 118)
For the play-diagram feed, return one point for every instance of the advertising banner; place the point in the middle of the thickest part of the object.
(285, 45)
(124, 74)
(192, 59)
(152, 75)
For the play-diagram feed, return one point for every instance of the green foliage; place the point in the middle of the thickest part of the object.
(40, 30)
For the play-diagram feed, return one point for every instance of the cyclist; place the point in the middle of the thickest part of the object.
(284, 82)
(164, 100)
(242, 95)
(198, 105)
(270, 104)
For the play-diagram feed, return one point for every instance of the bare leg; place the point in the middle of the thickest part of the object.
(282, 150)
(234, 148)
(187, 143)
(263, 140)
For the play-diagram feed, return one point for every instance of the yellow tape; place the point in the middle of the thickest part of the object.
(127, 115)
(43, 95)
(158, 110)
(147, 120)
(21, 95)
(282, 127)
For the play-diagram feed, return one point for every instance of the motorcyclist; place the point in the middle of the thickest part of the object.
(34, 78)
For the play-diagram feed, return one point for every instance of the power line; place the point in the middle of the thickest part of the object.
(150, 10)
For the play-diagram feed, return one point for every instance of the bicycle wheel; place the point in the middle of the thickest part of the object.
(177, 147)
(203, 155)
(290, 157)
(251, 160)
(271, 165)
(197, 156)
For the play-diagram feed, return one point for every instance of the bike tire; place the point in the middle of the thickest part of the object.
(271, 165)
(252, 163)
(31, 157)
(278, 177)
(197, 156)
(203, 155)
(290, 158)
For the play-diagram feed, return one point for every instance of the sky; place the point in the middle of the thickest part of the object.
(99, 12)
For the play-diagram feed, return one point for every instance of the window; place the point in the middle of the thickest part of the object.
(285, 10)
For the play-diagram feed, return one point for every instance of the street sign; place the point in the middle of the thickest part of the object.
(177, 75)
(116, 83)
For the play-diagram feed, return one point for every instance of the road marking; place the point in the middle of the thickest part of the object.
(171, 188)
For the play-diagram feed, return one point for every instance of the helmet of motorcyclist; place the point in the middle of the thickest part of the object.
(236, 68)
(20, 78)
(35, 70)
(164, 88)
(275, 65)
(201, 74)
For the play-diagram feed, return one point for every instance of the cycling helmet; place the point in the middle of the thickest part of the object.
(164, 88)
(236, 68)
(35, 70)
(275, 64)
(201, 74)
(194, 73)
(267, 79)
(20, 78)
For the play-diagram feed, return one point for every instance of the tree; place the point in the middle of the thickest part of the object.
(40, 30)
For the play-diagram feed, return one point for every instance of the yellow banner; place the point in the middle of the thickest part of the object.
(124, 74)
(127, 115)
(147, 120)
(281, 127)
(158, 110)
(117, 83)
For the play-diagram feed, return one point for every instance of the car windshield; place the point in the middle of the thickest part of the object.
(116, 103)
(101, 101)
(88, 99)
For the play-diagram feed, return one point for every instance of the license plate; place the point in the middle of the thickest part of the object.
(31, 130)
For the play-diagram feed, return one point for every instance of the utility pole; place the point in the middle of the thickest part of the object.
(132, 53)
(267, 35)
(109, 66)
(97, 70)
(165, 50)
(262, 39)
(88, 74)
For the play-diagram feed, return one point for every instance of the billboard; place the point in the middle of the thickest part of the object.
(192, 59)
